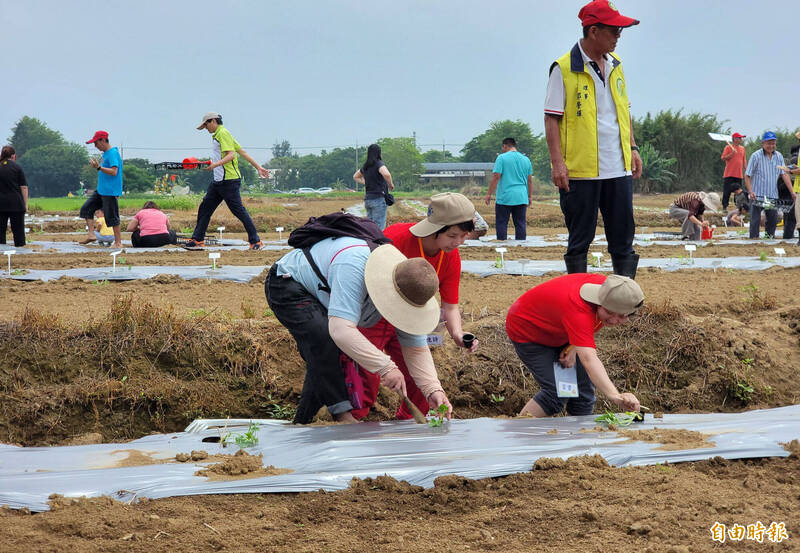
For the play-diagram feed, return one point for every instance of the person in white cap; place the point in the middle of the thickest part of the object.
(552, 328)
(688, 208)
(226, 182)
(436, 240)
(360, 288)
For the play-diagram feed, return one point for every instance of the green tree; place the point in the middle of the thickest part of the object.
(281, 149)
(136, 179)
(656, 176)
(403, 160)
(685, 137)
(486, 146)
(54, 169)
(439, 156)
(249, 173)
(30, 133)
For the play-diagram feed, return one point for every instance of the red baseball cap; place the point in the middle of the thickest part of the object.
(605, 13)
(97, 136)
(737, 135)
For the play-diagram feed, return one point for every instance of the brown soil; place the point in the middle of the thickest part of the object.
(83, 362)
(671, 439)
(239, 466)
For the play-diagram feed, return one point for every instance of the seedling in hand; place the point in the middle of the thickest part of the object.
(622, 419)
(437, 416)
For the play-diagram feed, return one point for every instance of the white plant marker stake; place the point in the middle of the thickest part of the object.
(501, 251)
(220, 229)
(213, 256)
(27, 230)
(523, 262)
(780, 252)
(280, 232)
(114, 257)
(597, 257)
(716, 264)
(9, 253)
(690, 248)
(644, 231)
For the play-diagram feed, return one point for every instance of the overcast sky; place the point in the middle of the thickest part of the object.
(331, 73)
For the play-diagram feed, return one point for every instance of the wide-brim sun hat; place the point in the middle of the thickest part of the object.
(403, 290)
(711, 200)
(617, 294)
(448, 208)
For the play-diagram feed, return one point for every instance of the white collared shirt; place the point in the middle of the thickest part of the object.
(610, 160)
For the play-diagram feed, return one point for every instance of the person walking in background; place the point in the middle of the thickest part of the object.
(226, 183)
(556, 322)
(512, 177)
(761, 178)
(735, 160)
(688, 208)
(377, 181)
(13, 197)
(150, 228)
(109, 188)
(589, 134)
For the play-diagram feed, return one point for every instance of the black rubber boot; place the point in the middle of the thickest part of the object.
(625, 265)
(575, 263)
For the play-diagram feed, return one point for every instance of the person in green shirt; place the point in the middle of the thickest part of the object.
(226, 183)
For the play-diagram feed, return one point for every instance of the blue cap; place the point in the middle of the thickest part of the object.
(769, 135)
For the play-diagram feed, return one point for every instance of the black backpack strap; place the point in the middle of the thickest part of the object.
(324, 287)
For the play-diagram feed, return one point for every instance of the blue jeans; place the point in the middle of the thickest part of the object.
(755, 220)
(376, 211)
(227, 190)
(501, 216)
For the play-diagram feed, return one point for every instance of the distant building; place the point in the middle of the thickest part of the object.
(456, 175)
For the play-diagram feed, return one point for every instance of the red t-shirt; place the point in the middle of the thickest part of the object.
(734, 166)
(554, 314)
(449, 264)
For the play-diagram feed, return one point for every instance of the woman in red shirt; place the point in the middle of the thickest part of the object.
(436, 239)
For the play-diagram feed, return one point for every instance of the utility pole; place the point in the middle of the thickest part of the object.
(414, 138)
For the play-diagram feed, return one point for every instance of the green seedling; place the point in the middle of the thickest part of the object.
(101, 282)
(19, 272)
(437, 416)
(248, 439)
(498, 398)
(498, 263)
(622, 419)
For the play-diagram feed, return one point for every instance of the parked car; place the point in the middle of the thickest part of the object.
(324, 190)
(306, 191)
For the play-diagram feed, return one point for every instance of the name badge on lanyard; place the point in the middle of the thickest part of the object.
(566, 380)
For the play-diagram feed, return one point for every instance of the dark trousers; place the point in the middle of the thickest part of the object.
(755, 220)
(789, 223)
(539, 361)
(614, 198)
(517, 213)
(17, 219)
(153, 240)
(307, 320)
(729, 184)
(227, 191)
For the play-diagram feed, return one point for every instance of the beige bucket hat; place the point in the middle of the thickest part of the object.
(403, 289)
(448, 208)
(711, 200)
(617, 294)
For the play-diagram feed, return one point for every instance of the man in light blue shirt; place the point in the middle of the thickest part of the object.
(109, 188)
(512, 177)
(761, 178)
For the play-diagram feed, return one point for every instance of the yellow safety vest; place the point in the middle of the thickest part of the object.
(578, 126)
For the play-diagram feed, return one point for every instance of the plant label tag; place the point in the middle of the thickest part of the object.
(435, 340)
(213, 255)
(780, 251)
(278, 229)
(690, 247)
(566, 380)
(220, 229)
(500, 250)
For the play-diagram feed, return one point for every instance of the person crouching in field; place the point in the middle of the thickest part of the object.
(688, 208)
(552, 326)
(150, 228)
(324, 319)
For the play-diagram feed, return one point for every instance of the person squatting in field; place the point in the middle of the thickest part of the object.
(436, 240)
(552, 325)
(324, 319)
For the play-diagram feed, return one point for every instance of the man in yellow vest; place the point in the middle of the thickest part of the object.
(589, 134)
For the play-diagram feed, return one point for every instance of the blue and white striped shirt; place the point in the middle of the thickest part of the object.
(763, 172)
